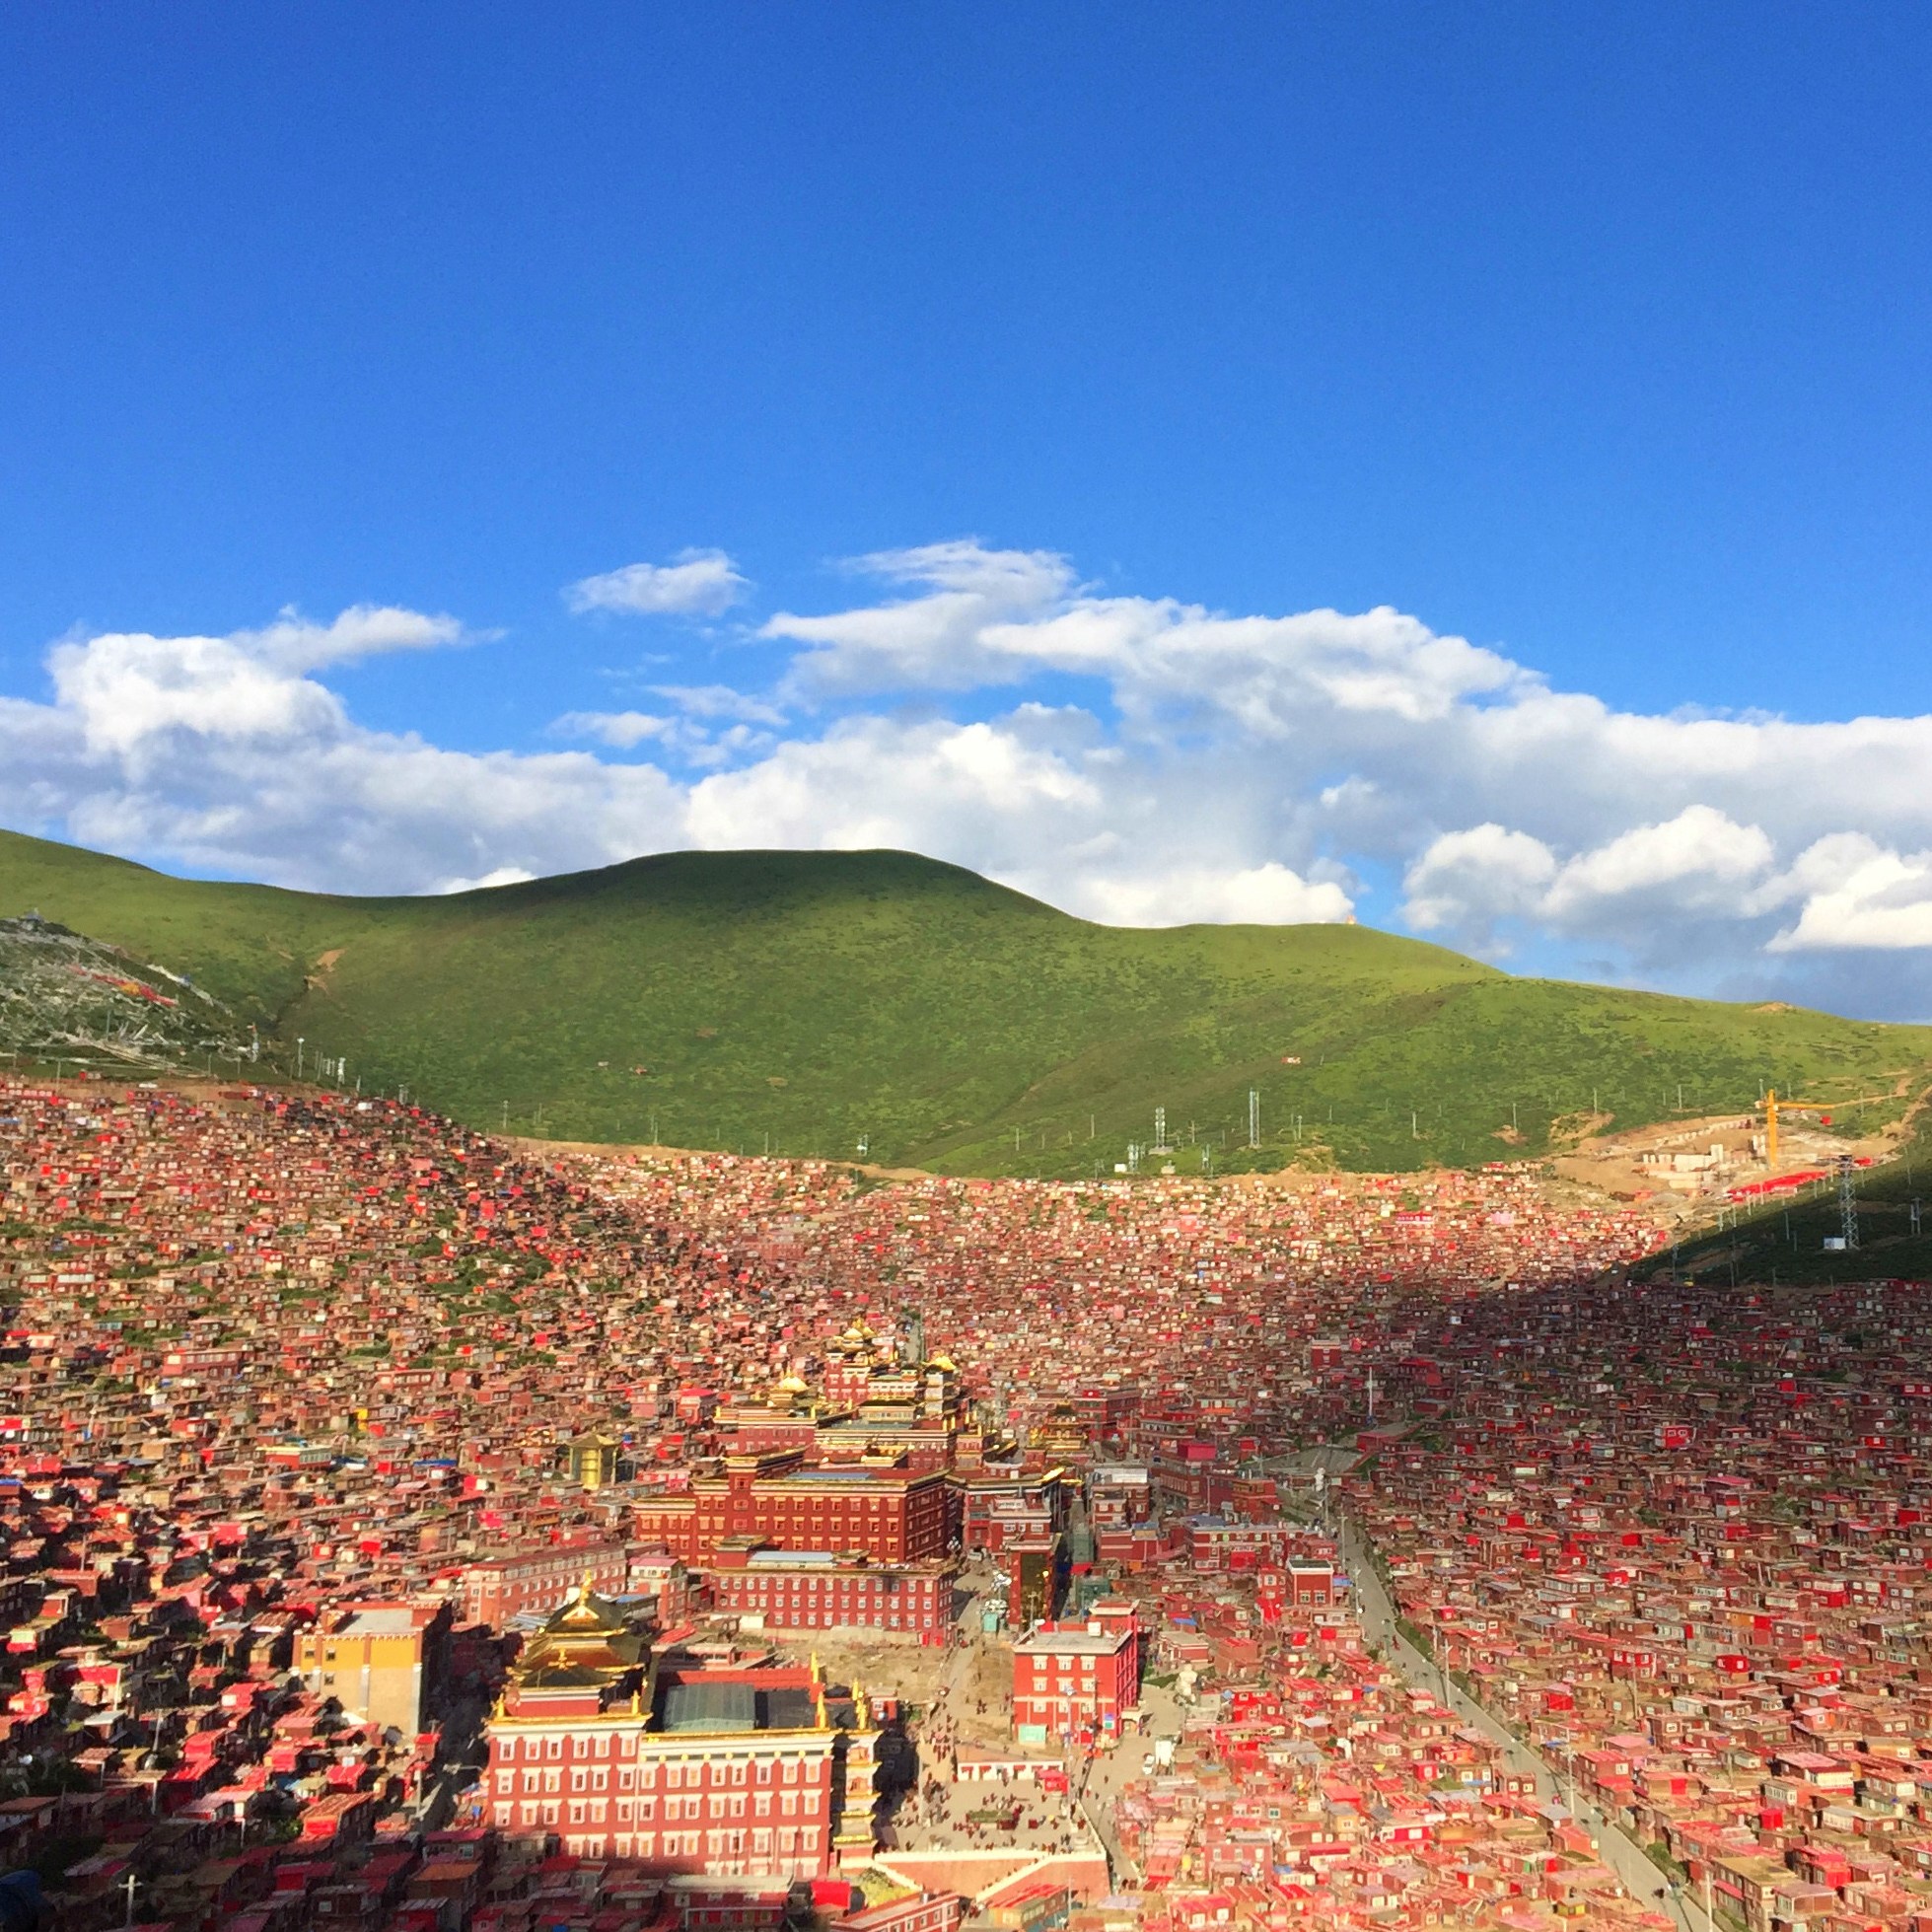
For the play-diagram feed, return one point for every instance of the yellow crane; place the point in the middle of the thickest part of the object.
(1773, 1107)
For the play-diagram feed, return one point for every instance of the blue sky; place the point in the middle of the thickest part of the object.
(1596, 339)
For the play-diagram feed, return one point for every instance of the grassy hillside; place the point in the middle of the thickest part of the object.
(801, 1000)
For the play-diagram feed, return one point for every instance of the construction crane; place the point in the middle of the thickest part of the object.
(1773, 1107)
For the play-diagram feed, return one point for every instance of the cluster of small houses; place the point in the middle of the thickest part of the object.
(313, 1410)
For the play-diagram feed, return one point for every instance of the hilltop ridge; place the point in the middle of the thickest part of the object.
(809, 1001)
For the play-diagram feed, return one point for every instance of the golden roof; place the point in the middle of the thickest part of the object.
(585, 1641)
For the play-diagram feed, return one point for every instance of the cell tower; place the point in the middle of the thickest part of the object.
(1847, 1202)
(1254, 1116)
(1161, 1130)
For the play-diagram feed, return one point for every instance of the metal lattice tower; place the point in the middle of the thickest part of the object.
(1160, 1130)
(1847, 1202)
(1254, 1116)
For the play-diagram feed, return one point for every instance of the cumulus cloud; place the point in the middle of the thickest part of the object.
(226, 754)
(1469, 880)
(1269, 895)
(1130, 758)
(1856, 893)
(699, 584)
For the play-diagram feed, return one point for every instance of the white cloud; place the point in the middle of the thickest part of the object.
(1153, 761)
(504, 874)
(221, 753)
(1696, 866)
(1268, 894)
(700, 584)
(684, 739)
(948, 639)
(363, 630)
(623, 731)
(1467, 880)
(1860, 895)
(1701, 850)
(978, 793)
(720, 701)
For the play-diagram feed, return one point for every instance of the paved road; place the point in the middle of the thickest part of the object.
(1101, 1780)
(1616, 1848)
(464, 1755)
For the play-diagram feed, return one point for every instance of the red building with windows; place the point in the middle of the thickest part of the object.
(814, 1590)
(893, 1515)
(502, 1587)
(750, 1771)
(1072, 1681)
(998, 1507)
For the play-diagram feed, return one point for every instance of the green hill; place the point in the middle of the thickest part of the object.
(803, 1000)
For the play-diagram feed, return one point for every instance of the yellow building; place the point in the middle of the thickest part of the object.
(385, 1663)
(594, 1457)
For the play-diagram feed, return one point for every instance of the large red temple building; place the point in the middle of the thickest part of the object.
(893, 1515)
(733, 1768)
(815, 1590)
